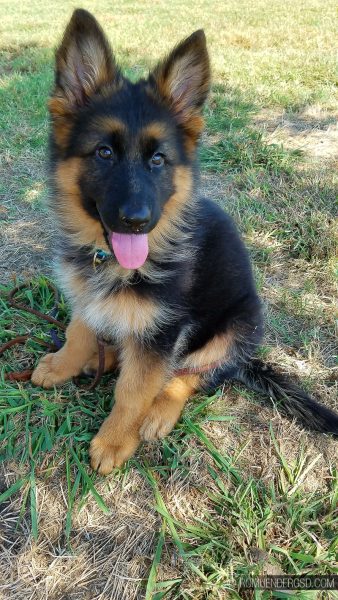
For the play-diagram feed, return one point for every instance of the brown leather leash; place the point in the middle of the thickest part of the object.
(26, 374)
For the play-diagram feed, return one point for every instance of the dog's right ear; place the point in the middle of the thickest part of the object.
(84, 64)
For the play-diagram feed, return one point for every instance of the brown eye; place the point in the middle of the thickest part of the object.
(157, 160)
(104, 152)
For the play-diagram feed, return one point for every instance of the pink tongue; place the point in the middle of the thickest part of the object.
(130, 249)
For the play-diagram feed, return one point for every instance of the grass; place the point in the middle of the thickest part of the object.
(235, 490)
(241, 517)
(48, 431)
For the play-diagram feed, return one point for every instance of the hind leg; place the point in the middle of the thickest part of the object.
(167, 407)
(80, 346)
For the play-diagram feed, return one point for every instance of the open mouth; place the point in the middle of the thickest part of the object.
(130, 249)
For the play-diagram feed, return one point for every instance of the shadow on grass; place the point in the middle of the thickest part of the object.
(233, 144)
(273, 191)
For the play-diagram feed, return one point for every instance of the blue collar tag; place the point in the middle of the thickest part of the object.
(100, 256)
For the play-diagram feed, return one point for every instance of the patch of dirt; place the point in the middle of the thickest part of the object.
(26, 243)
(314, 131)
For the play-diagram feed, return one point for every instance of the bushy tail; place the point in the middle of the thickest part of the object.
(262, 378)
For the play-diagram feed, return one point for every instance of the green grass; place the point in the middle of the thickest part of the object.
(229, 494)
(239, 146)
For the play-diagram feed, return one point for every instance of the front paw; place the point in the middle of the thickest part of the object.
(49, 372)
(157, 424)
(106, 454)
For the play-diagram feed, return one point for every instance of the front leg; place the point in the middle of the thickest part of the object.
(141, 378)
(79, 348)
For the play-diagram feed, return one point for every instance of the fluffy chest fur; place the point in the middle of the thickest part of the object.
(123, 314)
(115, 315)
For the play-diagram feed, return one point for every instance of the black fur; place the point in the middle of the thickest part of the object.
(290, 399)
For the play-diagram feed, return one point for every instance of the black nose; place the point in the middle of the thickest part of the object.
(135, 218)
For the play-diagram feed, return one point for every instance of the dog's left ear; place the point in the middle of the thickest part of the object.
(183, 81)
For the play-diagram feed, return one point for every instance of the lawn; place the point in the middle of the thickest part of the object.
(236, 489)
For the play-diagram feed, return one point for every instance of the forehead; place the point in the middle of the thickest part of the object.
(130, 112)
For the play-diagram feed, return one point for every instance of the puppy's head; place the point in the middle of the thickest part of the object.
(122, 152)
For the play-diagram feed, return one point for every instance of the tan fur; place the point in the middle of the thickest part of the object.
(110, 361)
(61, 118)
(107, 124)
(192, 121)
(84, 229)
(77, 285)
(183, 189)
(217, 349)
(80, 346)
(117, 316)
(167, 407)
(168, 225)
(194, 128)
(123, 313)
(142, 377)
(154, 130)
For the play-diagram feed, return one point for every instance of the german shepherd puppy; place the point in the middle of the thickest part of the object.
(175, 298)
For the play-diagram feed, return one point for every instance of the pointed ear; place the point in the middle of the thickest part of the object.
(84, 63)
(183, 81)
